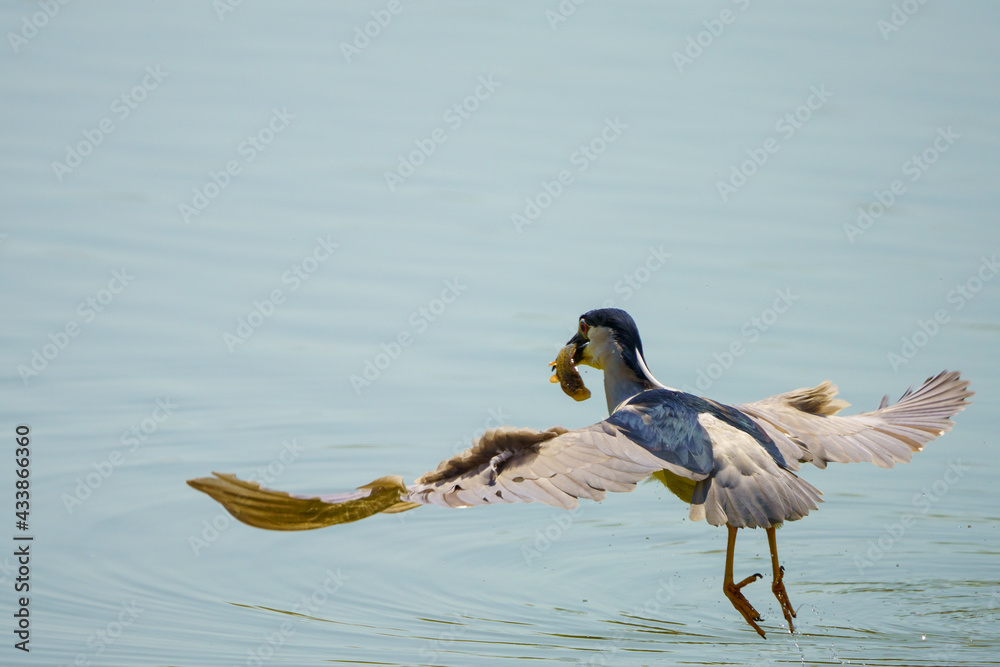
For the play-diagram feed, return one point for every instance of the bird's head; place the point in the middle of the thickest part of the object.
(607, 339)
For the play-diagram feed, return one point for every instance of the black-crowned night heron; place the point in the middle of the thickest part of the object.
(734, 464)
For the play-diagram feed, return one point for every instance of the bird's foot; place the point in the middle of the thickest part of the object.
(742, 604)
(778, 587)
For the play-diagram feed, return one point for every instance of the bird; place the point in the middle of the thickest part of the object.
(735, 465)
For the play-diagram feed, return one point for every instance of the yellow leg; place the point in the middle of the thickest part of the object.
(778, 587)
(732, 590)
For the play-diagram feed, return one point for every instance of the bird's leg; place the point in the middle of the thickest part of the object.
(779, 586)
(732, 590)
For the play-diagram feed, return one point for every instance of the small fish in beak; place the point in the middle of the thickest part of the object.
(566, 374)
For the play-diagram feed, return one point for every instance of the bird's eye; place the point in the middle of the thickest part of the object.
(583, 327)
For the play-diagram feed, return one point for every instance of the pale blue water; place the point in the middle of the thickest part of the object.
(627, 581)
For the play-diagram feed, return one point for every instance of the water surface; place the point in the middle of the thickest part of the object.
(257, 121)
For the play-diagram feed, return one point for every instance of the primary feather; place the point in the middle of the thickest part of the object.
(805, 424)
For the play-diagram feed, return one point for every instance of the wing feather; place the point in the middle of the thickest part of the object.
(738, 461)
(276, 510)
(891, 434)
(584, 463)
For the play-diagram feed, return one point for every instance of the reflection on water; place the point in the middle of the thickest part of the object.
(627, 581)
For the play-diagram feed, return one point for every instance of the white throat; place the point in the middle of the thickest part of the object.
(621, 384)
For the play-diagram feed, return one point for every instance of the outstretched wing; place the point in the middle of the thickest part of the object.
(557, 467)
(506, 465)
(260, 507)
(805, 426)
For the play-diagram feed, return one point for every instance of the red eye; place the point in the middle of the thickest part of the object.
(583, 327)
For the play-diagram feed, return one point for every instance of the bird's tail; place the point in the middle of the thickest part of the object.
(257, 506)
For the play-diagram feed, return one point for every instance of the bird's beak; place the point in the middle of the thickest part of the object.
(581, 342)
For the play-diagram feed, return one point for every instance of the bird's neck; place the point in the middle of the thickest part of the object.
(622, 383)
